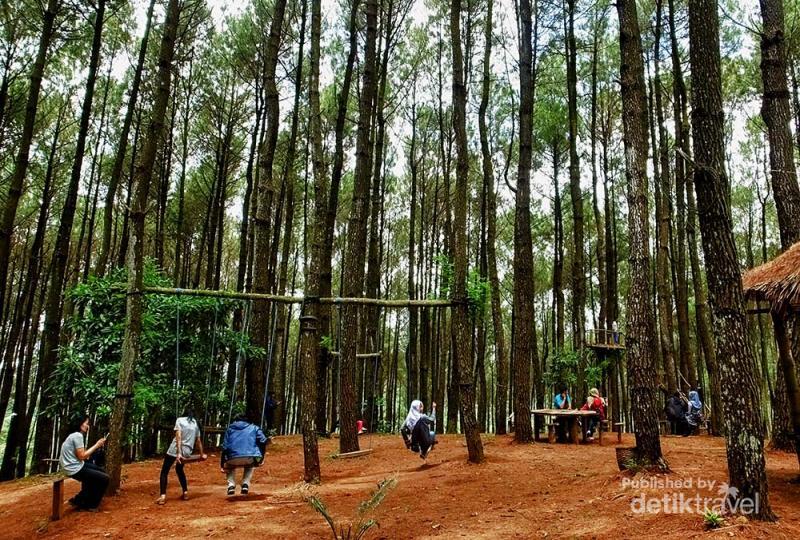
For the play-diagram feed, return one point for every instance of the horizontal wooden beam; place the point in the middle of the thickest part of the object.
(360, 355)
(233, 295)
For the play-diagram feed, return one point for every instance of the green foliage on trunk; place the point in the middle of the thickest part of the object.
(87, 373)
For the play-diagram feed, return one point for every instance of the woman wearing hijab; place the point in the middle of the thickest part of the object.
(694, 413)
(418, 428)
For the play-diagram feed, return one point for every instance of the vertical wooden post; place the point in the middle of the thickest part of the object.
(58, 499)
(574, 430)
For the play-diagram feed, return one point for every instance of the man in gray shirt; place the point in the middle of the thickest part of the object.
(73, 461)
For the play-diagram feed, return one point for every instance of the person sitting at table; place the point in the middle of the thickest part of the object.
(562, 399)
(594, 403)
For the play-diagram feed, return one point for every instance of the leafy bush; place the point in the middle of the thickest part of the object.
(86, 375)
(712, 519)
(563, 369)
(354, 530)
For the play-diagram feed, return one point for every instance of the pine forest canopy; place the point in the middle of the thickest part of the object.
(527, 179)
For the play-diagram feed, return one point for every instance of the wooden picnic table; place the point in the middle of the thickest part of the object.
(570, 416)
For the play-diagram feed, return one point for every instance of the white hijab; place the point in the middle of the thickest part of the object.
(414, 414)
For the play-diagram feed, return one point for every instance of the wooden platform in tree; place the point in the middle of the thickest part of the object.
(605, 340)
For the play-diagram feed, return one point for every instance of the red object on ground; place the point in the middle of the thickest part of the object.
(359, 426)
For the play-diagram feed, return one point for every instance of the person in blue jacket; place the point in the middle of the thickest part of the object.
(243, 446)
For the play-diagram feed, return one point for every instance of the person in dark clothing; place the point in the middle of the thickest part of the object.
(243, 446)
(675, 411)
(74, 460)
(269, 410)
(418, 429)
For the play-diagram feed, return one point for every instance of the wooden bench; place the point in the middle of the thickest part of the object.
(58, 499)
(619, 427)
(601, 427)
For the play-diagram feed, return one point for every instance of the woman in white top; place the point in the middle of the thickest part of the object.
(187, 434)
(419, 426)
(72, 460)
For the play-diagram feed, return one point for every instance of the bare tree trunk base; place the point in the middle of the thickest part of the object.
(629, 459)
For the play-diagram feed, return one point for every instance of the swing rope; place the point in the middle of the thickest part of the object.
(270, 354)
(245, 326)
(177, 356)
(211, 364)
(375, 363)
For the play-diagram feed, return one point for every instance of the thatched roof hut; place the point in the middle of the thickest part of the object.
(776, 281)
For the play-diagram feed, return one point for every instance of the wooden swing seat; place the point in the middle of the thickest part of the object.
(241, 462)
(357, 453)
(194, 458)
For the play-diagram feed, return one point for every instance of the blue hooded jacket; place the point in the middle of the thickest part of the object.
(243, 439)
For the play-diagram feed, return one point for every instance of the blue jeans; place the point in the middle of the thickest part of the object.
(591, 425)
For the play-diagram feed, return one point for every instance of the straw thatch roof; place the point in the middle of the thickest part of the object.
(776, 281)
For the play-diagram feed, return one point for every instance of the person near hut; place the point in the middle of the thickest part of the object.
(187, 436)
(694, 411)
(418, 429)
(270, 407)
(597, 404)
(243, 447)
(675, 410)
(75, 462)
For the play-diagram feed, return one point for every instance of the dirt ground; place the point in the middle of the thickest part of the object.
(521, 491)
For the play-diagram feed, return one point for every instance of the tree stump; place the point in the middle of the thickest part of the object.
(626, 457)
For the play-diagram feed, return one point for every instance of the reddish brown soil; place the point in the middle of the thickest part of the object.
(522, 491)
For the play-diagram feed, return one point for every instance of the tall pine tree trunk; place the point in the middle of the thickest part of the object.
(355, 251)
(744, 424)
(664, 224)
(119, 158)
(53, 312)
(523, 251)
(501, 361)
(640, 327)
(576, 196)
(776, 112)
(326, 275)
(26, 140)
(276, 381)
(16, 438)
(131, 347)
(461, 325)
(255, 371)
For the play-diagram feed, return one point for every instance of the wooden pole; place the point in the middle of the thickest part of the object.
(398, 303)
